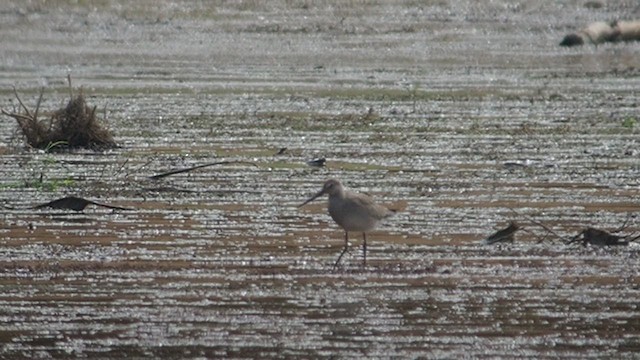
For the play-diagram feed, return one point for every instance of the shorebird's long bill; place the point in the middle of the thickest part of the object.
(320, 193)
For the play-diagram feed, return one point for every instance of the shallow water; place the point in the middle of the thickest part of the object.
(460, 112)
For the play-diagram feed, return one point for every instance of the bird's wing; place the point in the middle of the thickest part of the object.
(374, 210)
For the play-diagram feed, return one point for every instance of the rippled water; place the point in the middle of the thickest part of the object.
(461, 112)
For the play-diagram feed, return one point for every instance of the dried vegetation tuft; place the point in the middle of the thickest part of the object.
(74, 126)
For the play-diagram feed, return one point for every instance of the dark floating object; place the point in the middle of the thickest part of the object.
(319, 162)
(600, 32)
(503, 235)
(282, 151)
(75, 203)
(572, 40)
(599, 237)
(510, 165)
(180, 171)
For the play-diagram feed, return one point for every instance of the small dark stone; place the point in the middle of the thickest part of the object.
(572, 40)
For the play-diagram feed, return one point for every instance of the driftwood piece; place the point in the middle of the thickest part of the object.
(598, 237)
(184, 170)
(504, 235)
(75, 203)
(535, 222)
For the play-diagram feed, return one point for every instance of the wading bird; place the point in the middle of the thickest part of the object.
(352, 211)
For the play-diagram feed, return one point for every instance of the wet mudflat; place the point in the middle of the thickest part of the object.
(461, 112)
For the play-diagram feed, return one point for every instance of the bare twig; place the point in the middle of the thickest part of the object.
(598, 237)
(70, 87)
(634, 238)
(503, 235)
(624, 225)
(76, 203)
(35, 114)
(539, 224)
(122, 166)
(141, 166)
(17, 116)
(15, 91)
(179, 171)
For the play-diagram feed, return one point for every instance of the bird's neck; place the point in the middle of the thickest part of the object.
(338, 195)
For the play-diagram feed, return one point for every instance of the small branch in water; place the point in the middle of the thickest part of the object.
(625, 224)
(121, 167)
(75, 203)
(180, 171)
(598, 237)
(69, 203)
(503, 235)
(539, 224)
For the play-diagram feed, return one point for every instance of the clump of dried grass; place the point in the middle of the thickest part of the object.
(74, 126)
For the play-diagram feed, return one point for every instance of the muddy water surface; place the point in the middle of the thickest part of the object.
(458, 112)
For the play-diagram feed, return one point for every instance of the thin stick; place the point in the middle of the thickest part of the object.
(541, 239)
(624, 225)
(16, 116)
(35, 114)
(70, 87)
(20, 101)
(143, 165)
(634, 239)
(575, 238)
(122, 166)
(179, 171)
(538, 223)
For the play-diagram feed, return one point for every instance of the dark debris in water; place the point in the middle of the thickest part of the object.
(76, 203)
(189, 169)
(588, 236)
(319, 162)
(504, 235)
(598, 237)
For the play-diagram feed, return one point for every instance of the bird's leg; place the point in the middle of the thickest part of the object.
(346, 248)
(364, 249)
